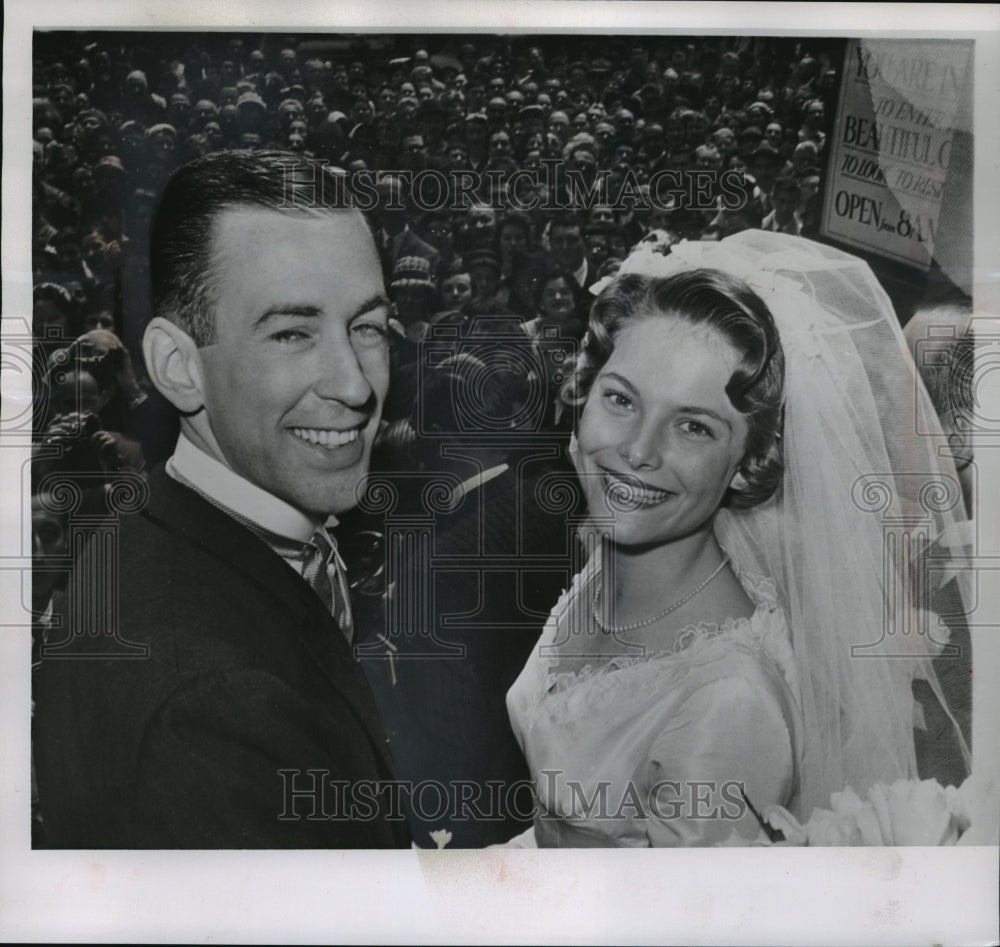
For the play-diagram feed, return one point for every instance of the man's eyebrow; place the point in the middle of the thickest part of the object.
(286, 309)
(377, 301)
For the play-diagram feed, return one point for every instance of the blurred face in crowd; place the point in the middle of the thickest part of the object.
(100, 319)
(617, 246)
(93, 247)
(558, 125)
(458, 156)
(362, 111)
(604, 132)
(566, 244)
(512, 239)
(597, 248)
(652, 139)
(809, 185)
(481, 223)
(624, 155)
(707, 158)
(500, 144)
(765, 172)
(585, 161)
(456, 291)
(48, 320)
(557, 300)
(485, 280)
(675, 135)
(437, 232)
(67, 252)
(785, 203)
(602, 214)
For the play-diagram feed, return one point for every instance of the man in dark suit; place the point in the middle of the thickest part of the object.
(396, 240)
(568, 250)
(467, 602)
(237, 717)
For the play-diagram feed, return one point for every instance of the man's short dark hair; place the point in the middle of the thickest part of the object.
(181, 242)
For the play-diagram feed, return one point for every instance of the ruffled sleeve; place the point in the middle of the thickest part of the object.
(730, 737)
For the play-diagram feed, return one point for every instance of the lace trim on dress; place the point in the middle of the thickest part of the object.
(765, 631)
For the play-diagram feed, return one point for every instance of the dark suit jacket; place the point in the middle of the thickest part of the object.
(499, 563)
(246, 676)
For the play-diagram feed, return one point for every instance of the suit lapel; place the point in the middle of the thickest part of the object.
(179, 510)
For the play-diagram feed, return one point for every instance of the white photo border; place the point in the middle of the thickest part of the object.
(851, 895)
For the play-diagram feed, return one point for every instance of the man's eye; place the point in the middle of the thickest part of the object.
(289, 335)
(370, 333)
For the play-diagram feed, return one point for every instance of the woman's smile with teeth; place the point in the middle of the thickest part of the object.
(324, 437)
(630, 490)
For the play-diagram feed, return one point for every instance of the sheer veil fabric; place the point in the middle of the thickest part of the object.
(867, 487)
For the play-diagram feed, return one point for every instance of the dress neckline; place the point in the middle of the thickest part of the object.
(687, 643)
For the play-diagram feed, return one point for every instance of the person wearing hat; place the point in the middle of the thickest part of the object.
(488, 297)
(396, 240)
(413, 153)
(531, 119)
(476, 131)
(414, 293)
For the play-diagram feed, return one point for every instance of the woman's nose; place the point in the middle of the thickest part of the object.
(642, 449)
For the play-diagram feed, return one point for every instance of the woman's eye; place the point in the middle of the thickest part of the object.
(617, 399)
(697, 428)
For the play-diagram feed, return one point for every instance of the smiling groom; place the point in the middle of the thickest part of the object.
(269, 335)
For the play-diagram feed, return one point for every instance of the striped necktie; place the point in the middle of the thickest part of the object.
(321, 566)
(321, 569)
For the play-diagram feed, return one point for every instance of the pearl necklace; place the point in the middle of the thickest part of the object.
(618, 629)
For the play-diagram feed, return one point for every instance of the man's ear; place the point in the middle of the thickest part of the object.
(174, 364)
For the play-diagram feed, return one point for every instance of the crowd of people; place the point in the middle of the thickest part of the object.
(545, 160)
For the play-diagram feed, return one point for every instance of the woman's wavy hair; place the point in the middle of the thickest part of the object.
(714, 299)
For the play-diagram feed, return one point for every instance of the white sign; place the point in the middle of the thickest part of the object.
(901, 104)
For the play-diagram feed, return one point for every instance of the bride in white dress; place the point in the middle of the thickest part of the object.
(743, 634)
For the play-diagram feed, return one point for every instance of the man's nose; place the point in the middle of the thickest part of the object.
(341, 377)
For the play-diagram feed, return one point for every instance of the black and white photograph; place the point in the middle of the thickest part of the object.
(439, 438)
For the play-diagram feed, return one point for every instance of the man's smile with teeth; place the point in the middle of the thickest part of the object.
(324, 437)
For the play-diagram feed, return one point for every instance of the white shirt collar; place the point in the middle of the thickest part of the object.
(580, 274)
(234, 492)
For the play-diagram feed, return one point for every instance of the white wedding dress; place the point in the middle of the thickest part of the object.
(658, 749)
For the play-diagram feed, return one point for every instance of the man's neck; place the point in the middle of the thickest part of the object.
(210, 475)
